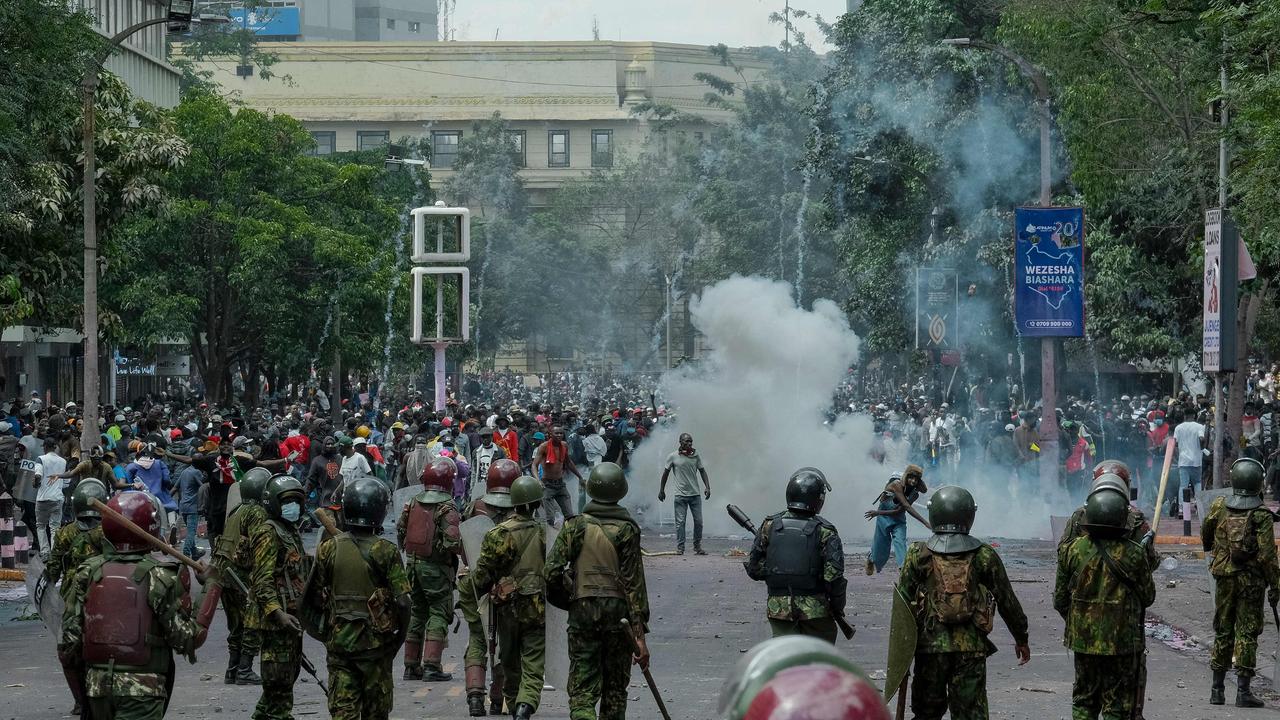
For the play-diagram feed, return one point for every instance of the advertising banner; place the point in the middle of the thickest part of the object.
(1220, 281)
(1049, 271)
(937, 309)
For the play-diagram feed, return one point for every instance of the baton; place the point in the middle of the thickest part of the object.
(311, 670)
(648, 677)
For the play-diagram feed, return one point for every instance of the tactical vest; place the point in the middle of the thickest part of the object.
(526, 575)
(293, 565)
(598, 572)
(1236, 535)
(793, 559)
(119, 627)
(352, 585)
(420, 533)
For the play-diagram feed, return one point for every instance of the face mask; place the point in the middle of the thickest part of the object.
(291, 512)
(1158, 422)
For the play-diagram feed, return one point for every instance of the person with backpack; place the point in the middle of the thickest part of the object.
(1102, 589)
(1240, 532)
(955, 583)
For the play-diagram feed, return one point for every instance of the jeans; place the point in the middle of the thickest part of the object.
(890, 532)
(193, 526)
(1188, 476)
(693, 503)
(48, 521)
(556, 495)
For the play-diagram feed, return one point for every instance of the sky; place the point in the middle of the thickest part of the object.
(735, 23)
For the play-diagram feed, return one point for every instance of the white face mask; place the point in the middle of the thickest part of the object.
(291, 511)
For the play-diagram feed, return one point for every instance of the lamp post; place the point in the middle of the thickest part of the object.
(180, 14)
(1048, 384)
(668, 300)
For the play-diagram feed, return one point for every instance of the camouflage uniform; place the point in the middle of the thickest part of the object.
(280, 568)
(1241, 585)
(600, 651)
(234, 550)
(477, 652)
(1103, 606)
(431, 578)
(803, 614)
(362, 578)
(511, 563)
(71, 547)
(132, 692)
(1136, 523)
(951, 660)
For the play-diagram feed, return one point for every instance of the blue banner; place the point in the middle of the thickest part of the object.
(1048, 260)
(267, 21)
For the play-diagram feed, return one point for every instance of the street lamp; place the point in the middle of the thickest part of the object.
(396, 159)
(1048, 386)
(178, 17)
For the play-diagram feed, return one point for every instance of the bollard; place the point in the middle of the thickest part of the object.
(1186, 511)
(21, 542)
(7, 559)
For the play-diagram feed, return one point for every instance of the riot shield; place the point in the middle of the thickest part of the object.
(233, 499)
(24, 490)
(399, 500)
(473, 531)
(50, 604)
(556, 673)
(902, 644)
(1058, 525)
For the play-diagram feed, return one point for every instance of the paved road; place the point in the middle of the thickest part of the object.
(705, 614)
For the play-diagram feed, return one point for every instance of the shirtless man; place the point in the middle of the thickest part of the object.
(550, 459)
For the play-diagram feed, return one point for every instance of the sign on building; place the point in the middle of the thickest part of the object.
(1048, 259)
(267, 21)
(1221, 273)
(937, 309)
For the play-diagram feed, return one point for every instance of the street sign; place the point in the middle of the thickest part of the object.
(1221, 272)
(937, 309)
(1048, 262)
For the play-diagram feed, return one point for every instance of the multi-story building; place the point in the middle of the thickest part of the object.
(140, 62)
(335, 20)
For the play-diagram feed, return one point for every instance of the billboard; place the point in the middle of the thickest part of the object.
(267, 21)
(1220, 281)
(937, 309)
(1048, 261)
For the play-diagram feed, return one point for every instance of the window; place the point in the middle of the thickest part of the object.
(371, 139)
(558, 148)
(415, 27)
(602, 148)
(516, 138)
(391, 24)
(698, 137)
(324, 143)
(444, 148)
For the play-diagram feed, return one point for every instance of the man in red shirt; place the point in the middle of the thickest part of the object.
(506, 438)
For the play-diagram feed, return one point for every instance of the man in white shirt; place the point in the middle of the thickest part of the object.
(49, 495)
(354, 464)
(482, 457)
(1189, 436)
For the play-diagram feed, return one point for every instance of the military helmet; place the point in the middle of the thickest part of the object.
(280, 490)
(86, 491)
(1110, 481)
(1114, 467)
(744, 695)
(364, 502)
(796, 693)
(526, 491)
(607, 483)
(253, 483)
(1106, 513)
(502, 473)
(807, 490)
(438, 475)
(951, 514)
(136, 507)
(1246, 484)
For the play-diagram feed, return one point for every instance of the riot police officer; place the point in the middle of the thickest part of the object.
(789, 678)
(127, 613)
(428, 533)
(232, 553)
(798, 555)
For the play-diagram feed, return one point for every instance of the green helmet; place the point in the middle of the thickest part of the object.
(951, 513)
(1106, 513)
(607, 483)
(252, 484)
(86, 491)
(1246, 484)
(364, 502)
(526, 491)
(1110, 481)
(280, 490)
(766, 660)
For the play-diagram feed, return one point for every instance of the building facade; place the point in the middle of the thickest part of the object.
(140, 63)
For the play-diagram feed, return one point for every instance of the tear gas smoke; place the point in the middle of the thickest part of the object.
(756, 410)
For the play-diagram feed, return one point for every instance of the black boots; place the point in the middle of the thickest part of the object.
(245, 675)
(232, 667)
(475, 704)
(1245, 696)
(524, 711)
(431, 672)
(1217, 691)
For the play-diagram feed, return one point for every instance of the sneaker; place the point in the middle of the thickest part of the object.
(699, 551)
(871, 567)
(679, 551)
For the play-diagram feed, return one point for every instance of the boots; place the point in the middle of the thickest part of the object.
(1245, 696)
(475, 690)
(232, 666)
(524, 711)
(475, 704)
(1217, 691)
(413, 660)
(245, 675)
(432, 651)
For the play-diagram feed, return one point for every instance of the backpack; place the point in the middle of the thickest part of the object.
(956, 597)
(1242, 543)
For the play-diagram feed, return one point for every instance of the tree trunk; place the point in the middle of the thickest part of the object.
(1246, 321)
(252, 384)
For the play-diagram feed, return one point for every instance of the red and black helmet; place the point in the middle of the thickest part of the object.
(138, 508)
(808, 692)
(501, 474)
(439, 475)
(1114, 467)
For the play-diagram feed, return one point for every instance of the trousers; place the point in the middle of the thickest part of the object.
(693, 504)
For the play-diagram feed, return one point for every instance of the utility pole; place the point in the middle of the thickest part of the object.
(335, 383)
(786, 24)
(668, 278)
(1219, 404)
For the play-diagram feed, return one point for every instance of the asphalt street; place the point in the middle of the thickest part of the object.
(706, 613)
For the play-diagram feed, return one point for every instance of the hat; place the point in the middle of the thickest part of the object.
(345, 441)
(486, 431)
(358, 441)
(397, 425)
(539, 436)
